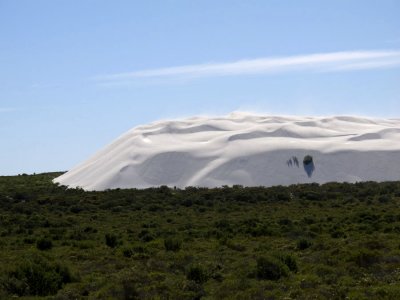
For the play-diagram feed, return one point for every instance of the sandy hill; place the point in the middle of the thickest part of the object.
(245, 149)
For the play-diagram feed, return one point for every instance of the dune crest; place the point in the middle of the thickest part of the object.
(246, 149)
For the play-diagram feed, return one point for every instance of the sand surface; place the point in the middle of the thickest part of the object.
(246, 149)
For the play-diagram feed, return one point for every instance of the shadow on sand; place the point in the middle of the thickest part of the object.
(309, 168)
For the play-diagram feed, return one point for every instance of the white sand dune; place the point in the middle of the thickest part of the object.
(244, 149)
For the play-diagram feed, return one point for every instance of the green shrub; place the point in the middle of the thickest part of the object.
(285, 222)
(337, 234)
(29, 240)
(234, 246)
(366, 258)
(36, 276)
(271, 268)
(76, 209)
(303, 244)
(384, 199)
(223, 225)
(111, 240)
(129, 291)
(289, 260)
(145, 236)
(172, 244)
(197, 274)
(127, 252)
(44, 244)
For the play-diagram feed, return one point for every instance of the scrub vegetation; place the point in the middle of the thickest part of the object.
(310, 241)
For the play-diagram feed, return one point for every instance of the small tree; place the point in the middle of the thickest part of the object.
(307, 160)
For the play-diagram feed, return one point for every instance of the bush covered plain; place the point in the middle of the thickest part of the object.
(330, 241)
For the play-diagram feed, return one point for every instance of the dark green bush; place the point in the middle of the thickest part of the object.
(28, 240)
(303, 244)
(127, 252)
(366, 258)
(285, 221)
(223, 225)
(289, 260)
(44, 244)
(129, 290)
(145, 236)
(338, 234)
(76, 209)
(384, 199)
(111, 240)
(271, 268)
(172, 244)
(255, 228)
(234, 246)
(36, 276)
(197, 274)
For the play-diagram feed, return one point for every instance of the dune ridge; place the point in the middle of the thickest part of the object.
(246, 149)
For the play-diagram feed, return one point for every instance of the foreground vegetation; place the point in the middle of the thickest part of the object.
(331, 241)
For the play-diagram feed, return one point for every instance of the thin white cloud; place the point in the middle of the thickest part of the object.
(365, 65)
(320, 62)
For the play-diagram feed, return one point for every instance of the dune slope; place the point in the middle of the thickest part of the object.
(244, 149)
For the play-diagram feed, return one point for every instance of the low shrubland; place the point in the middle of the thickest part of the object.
(330, 241)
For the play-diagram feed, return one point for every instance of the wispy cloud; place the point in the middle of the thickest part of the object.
(320, 62)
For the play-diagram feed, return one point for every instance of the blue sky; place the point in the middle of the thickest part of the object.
(74, 75)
